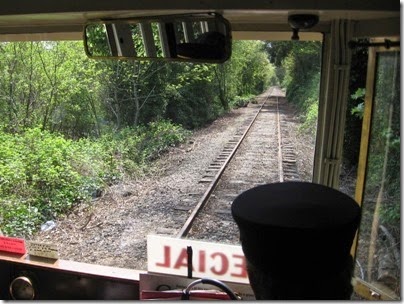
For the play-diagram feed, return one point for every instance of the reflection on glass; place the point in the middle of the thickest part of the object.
(97, 41)
(180, 39)
(378, 252)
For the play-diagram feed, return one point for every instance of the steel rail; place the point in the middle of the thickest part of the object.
(280, 154)
(202, 202)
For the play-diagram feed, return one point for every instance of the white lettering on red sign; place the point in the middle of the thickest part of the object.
(13, 245)
(220, 261)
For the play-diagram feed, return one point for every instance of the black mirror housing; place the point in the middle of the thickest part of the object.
(204, 38)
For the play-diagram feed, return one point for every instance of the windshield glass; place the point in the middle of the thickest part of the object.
(97, 155)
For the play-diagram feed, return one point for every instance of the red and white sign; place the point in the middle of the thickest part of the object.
(13, 245)
(220, 261)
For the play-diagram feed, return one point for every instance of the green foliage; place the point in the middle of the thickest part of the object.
(97, 40)
(359, 109)
(251, 71)
(241, 101)
(390, 213)
(47, 84)
(359, 94)
(42, 175)
(159, 136)
(302, 72)
(353, 120)
(198, 94)
(71, 125)
(192, 94)
(19, 218)
(310, 117)
(131, 92)
(38, 179)
(297, 67)
(55, 86)
(384, 154)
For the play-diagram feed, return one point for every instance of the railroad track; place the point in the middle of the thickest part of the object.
(196, 209)
(199, 209)
(261, 147)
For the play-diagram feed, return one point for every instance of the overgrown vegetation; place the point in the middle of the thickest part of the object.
(354, 112)
(43, 174)
(70, 125)
(386, 135)
(298, 70)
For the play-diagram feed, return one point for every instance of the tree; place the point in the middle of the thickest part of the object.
(47, 84)
(53, 85)
(251, 71)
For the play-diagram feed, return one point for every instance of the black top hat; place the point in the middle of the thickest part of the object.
(296, 228)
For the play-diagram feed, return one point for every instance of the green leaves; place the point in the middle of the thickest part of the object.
(358, 110)
(298, 70)
(71, 125)
(42, 175)
(37, 178)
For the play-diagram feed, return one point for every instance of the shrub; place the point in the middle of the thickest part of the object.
(159, 136)
(43, 175)
(241, 101)
(39, 181)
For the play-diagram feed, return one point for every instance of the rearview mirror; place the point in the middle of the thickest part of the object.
(189, 38)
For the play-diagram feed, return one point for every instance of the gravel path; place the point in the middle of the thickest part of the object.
(254, 163)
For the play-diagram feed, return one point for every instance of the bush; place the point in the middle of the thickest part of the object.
(241, 101)
(157, 137)
(38, 179)
(310, 117)
(43, 175)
